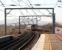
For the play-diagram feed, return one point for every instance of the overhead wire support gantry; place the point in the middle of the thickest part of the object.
(53, 16)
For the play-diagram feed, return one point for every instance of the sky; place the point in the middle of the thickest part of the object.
(25, 3)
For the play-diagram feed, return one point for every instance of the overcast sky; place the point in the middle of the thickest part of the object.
(25, 3)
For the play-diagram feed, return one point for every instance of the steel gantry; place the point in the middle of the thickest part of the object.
(53, 16)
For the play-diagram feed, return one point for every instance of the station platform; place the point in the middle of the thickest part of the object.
(49, 42)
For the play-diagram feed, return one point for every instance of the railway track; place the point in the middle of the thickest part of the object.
(32, 42)
(18, 43)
